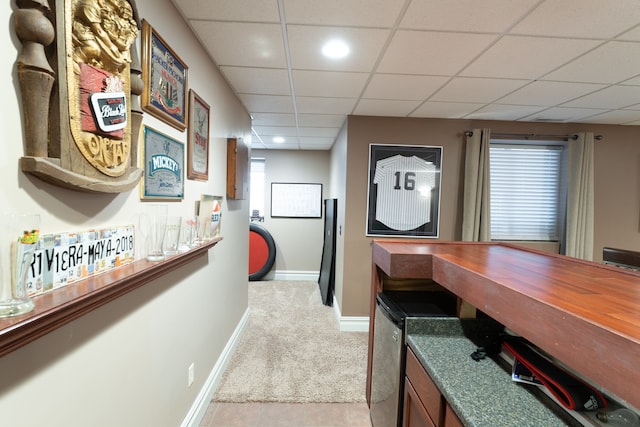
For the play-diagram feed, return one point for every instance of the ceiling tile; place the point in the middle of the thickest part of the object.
(433, 53)
(352, 13)
(535, 60)
(305, 44)
(328, 83)
(276, 131)
(465, 15)
(610, 63)
(266, 81)
(611, 97)
(242, 44)
(267, 103)
(633, 82)
(306, 104)
(406, 87)
(448, 110)
(230, 10)
(316, 143)
(283, 145)
(618, 117)
(319, 132)
(502, 112)
(273, 119)
(520, 57)
(463, 89)
(580, 18)
(378, 107)
(548, 93)
(560, 114)
(321, 120)
(631, 35)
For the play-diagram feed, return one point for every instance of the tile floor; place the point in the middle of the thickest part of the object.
(286, 415)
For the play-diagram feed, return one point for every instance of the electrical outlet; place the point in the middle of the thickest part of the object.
(191, 374)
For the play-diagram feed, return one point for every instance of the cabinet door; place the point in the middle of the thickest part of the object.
(451, 419)
(425, 388)
(414, 413)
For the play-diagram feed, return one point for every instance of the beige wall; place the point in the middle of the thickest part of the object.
(617, 192)
(298, 240)
(125, 364)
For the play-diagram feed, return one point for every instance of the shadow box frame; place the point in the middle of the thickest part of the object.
(403, 194)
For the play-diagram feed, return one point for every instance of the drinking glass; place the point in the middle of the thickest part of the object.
(18, 242)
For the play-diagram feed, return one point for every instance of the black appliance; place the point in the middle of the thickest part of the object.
(387, 372)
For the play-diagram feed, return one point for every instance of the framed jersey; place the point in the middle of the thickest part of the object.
(404, 190)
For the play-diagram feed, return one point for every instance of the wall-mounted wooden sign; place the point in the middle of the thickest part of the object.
(82, 131)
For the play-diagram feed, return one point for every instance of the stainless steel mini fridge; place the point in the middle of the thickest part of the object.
(387, 369)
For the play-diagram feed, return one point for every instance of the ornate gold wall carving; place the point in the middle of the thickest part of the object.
(80, 79)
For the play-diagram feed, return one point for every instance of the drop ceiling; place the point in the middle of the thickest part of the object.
(522, 60)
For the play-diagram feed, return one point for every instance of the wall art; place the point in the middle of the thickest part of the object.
(198, 138)
(165, 78)
(163, 159)
(404, 190)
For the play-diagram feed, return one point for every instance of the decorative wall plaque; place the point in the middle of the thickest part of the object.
(82, 132)
(165, 80)
(164, 166)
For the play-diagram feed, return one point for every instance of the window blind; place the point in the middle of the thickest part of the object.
(525, 191)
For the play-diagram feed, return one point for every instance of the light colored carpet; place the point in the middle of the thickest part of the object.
(293, 351)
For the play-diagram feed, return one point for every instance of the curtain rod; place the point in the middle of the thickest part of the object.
(572, 136)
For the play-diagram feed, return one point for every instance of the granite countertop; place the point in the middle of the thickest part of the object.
(481, 393)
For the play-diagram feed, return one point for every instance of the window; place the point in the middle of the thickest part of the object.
(528, 190)
(257, 185)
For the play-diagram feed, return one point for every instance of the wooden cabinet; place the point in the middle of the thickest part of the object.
(238, 167)
(414, 412)
(424, 405)
(450, 418)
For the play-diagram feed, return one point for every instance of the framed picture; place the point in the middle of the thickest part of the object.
(293, 200)
(163, 159)
(165, 80)
(198, 138)
(404, 190)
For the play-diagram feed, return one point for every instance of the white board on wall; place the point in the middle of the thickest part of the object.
(296, 200)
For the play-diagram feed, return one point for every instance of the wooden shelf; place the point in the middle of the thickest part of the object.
(58, 307)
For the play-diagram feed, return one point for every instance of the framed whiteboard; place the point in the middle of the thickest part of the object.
(294, 200)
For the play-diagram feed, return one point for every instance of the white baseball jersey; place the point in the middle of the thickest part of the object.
(404, 187)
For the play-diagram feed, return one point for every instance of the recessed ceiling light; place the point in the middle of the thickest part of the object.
(278, 139)
(335, 49)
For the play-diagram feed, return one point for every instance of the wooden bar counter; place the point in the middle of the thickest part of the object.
(584, 314)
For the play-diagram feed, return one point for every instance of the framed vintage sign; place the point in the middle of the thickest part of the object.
(163, 166)
(198, 138)
(165, 80)
(404, 190)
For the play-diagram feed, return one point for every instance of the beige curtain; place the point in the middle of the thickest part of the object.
(476, 219)
(579, 236)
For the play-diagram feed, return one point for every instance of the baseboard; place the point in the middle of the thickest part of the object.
(354, 324)
(200, 405)
(297, 275)
(350, 323)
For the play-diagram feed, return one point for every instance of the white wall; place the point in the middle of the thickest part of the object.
(125, 364)
(338, 191)
(298, 241)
